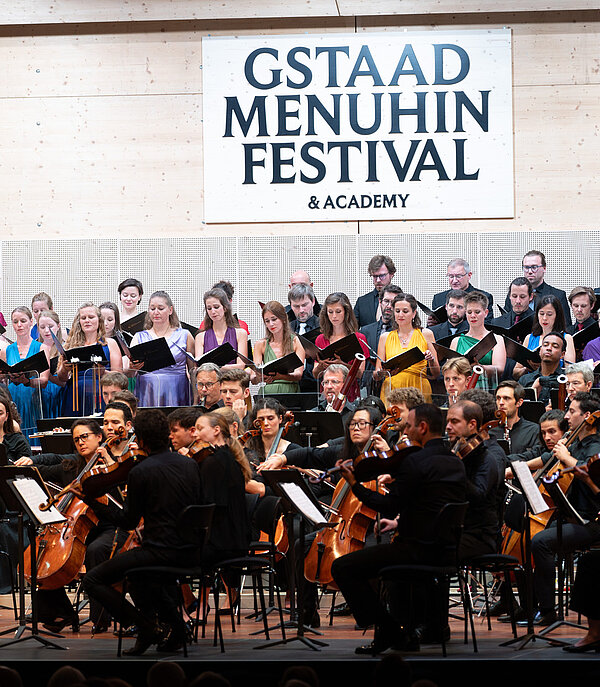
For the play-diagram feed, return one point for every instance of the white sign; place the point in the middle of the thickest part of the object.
(411, 125)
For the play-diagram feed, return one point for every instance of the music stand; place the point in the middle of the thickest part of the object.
(23, 490)
(317, 424)
(296, 499)
(565, 513)
(534, 504)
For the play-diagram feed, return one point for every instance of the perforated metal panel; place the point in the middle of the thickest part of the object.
(73, 271)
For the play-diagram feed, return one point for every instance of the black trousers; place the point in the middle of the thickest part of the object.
(544, 547)
(356, 573)
(585, 594)
(152, 598)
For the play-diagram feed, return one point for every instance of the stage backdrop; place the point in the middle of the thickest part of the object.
(410, 125)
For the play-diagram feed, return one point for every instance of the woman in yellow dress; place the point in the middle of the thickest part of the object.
(406, 334)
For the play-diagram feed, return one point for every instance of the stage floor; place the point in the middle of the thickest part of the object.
(246, 665)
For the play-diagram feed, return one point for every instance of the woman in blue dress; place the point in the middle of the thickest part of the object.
(87, 330)
(169, 386)
(23, 388)
(548, 317)
(53, 396)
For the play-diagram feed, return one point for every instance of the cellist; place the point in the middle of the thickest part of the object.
(424, 482)
(56, 611)
(574, 536)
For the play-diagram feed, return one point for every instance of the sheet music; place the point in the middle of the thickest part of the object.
(302, 502)
(532, 493)
(33, 495)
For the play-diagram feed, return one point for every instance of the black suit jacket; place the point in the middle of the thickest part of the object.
(440, 299)
(546, 290)
(372, 331)
(441, 331)
(572, 329)
(366, 308)
(308, 383)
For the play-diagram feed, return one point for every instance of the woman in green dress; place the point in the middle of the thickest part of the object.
(279, 341)
(493, 362)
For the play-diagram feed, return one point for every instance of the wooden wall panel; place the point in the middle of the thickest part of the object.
(391, 7)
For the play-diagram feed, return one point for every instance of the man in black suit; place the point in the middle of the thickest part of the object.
(382, 271)
(301, 277)
(582, 300)
(424, 482)
(520, 296)
(459, 275)
(456, 322)
(301, 298)
(534, 270)
(384, 324)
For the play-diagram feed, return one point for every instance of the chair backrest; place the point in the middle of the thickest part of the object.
(449, 522)
(514, 512)
(194, 524)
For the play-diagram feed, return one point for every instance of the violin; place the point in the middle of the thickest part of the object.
(463, 447)
(593, 469)
(200, 450)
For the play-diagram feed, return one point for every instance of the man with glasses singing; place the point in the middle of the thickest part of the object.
(459, 275)
(534, 270)
(382, 271)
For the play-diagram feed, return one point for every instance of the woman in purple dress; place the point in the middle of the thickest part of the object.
(219, 328)
(168, 386)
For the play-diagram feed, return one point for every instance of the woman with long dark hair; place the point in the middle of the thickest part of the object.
(219, 327)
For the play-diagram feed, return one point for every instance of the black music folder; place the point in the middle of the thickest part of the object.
(516, 351)
(35, 363)
(582, 338)
(346, 349)
(191, 329)
(284, 365)
(404, 360)
(517, 332)
(134, 324)
(155, 354)
(473, 355)
(224, 354)
(439, 314)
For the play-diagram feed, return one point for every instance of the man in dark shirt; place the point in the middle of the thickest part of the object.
(484, 481)
(522, 434)
(534, 270)
(384, 324)
(208, 384)
(382, 271)
(459, 275)
(520, 295)
(584, 408)
(158, 489)
(333, 380)
(456, 322)
(424, 482)
(543, 380)
(582, 300)
(301, 298)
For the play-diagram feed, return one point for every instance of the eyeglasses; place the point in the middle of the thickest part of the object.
(380, 277)
(206, 385)
(531, 268)
(361, 424)
(454, 277)
(386, 301)
(82, 437)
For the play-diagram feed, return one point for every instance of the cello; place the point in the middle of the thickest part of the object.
(61, 546)
(350, 521)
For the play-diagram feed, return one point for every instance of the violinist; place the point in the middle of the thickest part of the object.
(158, 489)
(574, 535)
(485, 479)
(182, 428)
(269, 413)
(112, 382)
(56, 611)
(552, 428)
(424, 482)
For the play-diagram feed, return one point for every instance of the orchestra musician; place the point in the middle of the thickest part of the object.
(407, 333)
(456, 373)
(219, 327)
(158, 489)
(574, 535)
(279, 341)
(424, 482)
(579, 378)
(521, 434)
(111, 383)
(270, 414)
(332, 382)
(235, 391)
(208, 386)
(182, 428)
(552, 352)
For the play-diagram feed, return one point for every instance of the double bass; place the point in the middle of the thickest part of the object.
(350, 521)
